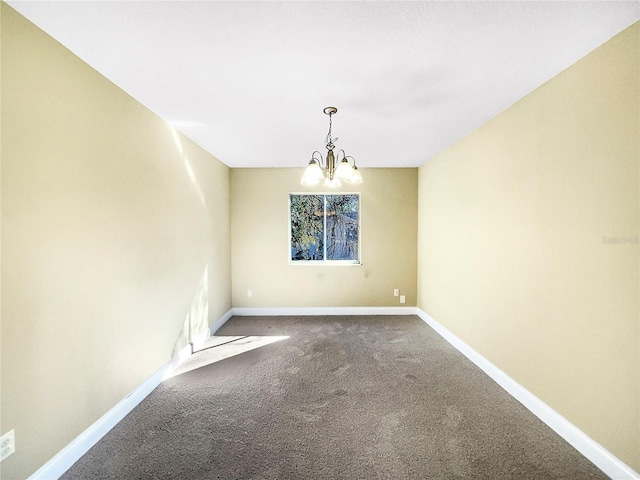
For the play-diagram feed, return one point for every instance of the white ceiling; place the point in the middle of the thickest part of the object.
(248, 80)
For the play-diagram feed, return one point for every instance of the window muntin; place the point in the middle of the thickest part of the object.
(324, 229)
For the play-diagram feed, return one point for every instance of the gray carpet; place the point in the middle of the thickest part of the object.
(370, 397)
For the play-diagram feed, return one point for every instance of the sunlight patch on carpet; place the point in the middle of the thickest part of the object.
(218, 348)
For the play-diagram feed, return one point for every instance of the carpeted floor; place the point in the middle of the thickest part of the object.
(369, 397)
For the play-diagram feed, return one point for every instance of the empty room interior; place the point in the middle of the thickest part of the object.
(392, 240)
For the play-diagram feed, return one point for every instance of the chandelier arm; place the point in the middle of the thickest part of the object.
(320, 160)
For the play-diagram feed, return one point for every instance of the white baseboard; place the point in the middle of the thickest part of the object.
(65, 458)
(221, 321)
(177, 360)
(307, 311)
(592, 450)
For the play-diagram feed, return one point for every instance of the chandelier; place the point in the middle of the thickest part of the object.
(333, 176)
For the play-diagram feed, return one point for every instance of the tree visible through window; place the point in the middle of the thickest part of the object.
(325, 228)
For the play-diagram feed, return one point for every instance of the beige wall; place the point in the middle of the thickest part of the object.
(511, 252)
(108, 223)
(260, 239)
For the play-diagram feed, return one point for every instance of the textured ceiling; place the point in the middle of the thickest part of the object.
(248, 80)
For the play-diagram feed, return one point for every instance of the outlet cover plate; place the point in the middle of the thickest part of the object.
(7, 444)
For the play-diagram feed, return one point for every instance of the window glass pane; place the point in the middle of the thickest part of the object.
(307, 227)
(325, 228)
(342, 227)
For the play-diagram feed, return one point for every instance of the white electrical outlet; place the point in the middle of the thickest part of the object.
(7, 444)
(249, 293)
(396, 292)
(402, 298)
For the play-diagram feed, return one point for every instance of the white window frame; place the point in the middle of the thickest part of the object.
(324, 261)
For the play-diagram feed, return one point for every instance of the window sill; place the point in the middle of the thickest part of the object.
(312, 263)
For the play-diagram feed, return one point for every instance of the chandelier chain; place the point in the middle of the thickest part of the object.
(330, 140)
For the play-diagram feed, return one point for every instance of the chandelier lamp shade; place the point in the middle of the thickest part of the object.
(335, 169)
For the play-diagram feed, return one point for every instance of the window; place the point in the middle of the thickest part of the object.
(325, 228)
